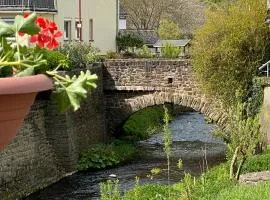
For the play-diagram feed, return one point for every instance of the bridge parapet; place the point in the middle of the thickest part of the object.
(133, 84)
(149, 75)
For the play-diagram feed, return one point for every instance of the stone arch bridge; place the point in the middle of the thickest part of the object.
(131, 85)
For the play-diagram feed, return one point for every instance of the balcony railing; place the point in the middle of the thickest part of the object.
(30, 5)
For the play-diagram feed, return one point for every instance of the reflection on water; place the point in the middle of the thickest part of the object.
(192, 142)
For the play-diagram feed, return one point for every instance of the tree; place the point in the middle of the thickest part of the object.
(230, 47)
(169, 30)
(146, 14)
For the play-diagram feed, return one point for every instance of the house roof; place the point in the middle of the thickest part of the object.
(149, 37)
(177, 43)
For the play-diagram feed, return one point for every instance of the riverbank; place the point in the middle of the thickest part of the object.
(214, 184)
(140, 126)
(191, 136)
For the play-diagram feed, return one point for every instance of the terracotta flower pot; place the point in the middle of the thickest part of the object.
(17, 94)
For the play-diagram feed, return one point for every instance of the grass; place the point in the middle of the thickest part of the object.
(212, 185)
(144, 123)
(103, 155)
(152, 192)
(257, 163)
(246, 192)
(207, 187)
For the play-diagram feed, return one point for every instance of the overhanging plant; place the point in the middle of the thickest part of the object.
(16, 59)
(24, 72)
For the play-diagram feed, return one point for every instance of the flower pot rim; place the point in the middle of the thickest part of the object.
(23, 85)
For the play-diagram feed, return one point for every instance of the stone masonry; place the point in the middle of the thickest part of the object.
(48, 145)
(131, 85)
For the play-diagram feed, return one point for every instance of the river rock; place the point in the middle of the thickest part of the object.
(255, 177)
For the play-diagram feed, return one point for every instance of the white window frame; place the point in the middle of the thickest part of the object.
(69, 37)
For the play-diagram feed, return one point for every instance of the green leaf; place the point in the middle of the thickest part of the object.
(75, 90)
(18, 23)
(26, 25)
(6, 29)
(62, 100)
(27, 72)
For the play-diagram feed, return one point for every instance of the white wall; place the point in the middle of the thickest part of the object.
(104, 15)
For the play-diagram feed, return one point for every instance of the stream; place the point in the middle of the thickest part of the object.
(192, 142)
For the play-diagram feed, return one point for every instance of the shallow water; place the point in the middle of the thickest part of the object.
(192, 142)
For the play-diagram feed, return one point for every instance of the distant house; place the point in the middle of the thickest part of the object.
(94, 21)
(149, 37)
(183, 43)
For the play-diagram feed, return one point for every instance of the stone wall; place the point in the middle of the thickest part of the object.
(48, 144)
(131, 85)
(265, 115)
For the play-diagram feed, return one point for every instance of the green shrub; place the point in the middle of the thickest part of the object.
(144, 123)
(112, 55)
(152, 192)
(210, 184)
(80, 54)
(145, 52)
(106, 155)
(128, 41)
(170, 51)
(257, 163)
(244, 136)
(110, 190)
(54, 58)
(168, 30)
(246, 192)
(230, 47)
(256, 93)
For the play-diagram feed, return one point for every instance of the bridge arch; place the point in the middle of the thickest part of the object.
(124, 105)
(131, 85)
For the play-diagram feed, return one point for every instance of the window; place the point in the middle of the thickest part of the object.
(67, 30)
(78, 28)
(91, 31)
(8, 20)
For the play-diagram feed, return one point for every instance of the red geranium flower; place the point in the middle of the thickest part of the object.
(41, 22)
(48, 34)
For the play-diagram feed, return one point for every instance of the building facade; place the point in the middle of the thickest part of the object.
(93, 21)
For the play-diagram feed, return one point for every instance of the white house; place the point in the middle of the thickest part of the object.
(93, 21)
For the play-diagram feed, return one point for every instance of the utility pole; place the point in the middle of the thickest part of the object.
(80, 20)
